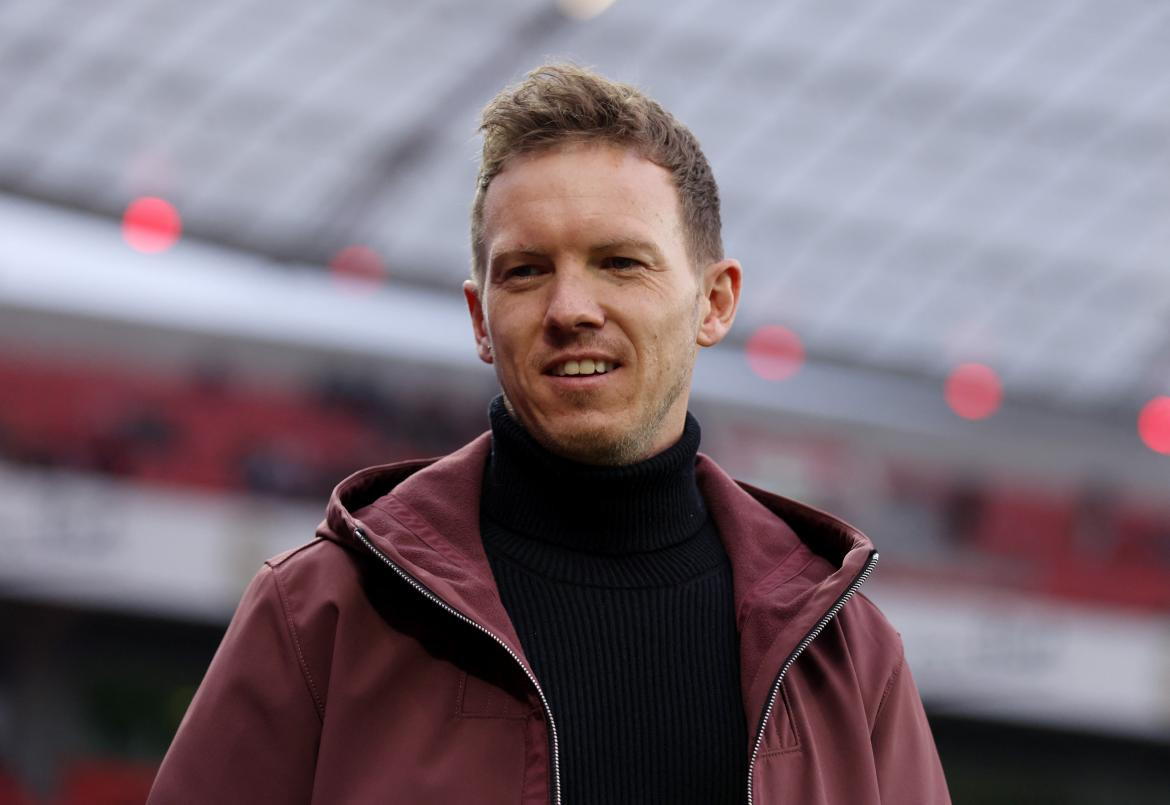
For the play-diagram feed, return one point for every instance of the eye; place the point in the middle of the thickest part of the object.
(519, 272)
(621, 263)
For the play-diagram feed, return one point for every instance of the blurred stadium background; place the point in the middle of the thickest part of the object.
(231, 240)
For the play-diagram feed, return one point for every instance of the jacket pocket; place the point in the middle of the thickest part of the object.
(478, 698)
(781, 736)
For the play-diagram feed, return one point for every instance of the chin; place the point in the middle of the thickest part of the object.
(596, 445)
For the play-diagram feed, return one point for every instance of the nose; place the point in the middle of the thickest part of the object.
(573, 303)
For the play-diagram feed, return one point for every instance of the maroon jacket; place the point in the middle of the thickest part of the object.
(377, 664)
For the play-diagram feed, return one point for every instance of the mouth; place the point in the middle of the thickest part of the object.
(583, 367)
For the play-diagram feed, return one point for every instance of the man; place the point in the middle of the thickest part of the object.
(576, 607)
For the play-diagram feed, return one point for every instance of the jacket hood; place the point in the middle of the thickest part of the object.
(790, 562)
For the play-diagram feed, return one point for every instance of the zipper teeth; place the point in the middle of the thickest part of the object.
(804, 644)
(418, 585)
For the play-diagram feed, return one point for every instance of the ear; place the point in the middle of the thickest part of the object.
(483, 342)
(720, 286)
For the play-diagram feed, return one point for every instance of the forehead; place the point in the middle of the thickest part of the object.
(563, 190)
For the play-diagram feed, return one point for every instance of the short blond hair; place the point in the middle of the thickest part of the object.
(562, 103)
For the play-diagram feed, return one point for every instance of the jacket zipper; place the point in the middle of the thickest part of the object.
(796, 652)
(555, 794)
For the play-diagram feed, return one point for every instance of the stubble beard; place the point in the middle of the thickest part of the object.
(601, 447)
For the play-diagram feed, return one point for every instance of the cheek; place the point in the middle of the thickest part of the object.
(511, 351)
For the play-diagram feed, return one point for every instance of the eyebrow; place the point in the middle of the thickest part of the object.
(520, 251)
(609, 245)
(617, 244)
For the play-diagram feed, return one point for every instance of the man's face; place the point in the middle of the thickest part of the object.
(586, 269)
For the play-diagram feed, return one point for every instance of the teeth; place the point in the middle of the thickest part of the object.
(587, 366)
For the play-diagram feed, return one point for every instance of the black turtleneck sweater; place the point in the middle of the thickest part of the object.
(620, 590)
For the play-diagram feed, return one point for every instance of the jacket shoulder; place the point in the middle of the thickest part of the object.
(291, 554)
(866, 612)
(906, 761)
(875, 649)
(319, 572)
(315, 582)
(867, 630)
(319, 588)
(318, 555)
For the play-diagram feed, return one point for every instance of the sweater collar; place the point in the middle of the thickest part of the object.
(634, 508)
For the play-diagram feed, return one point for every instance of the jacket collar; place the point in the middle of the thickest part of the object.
(790, 563)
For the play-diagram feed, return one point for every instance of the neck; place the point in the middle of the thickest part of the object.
(645, 506)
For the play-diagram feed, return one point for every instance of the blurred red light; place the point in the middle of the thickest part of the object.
(775, 352)
(151, 225)
(1154, 425)
(973, 391)
(359, 263)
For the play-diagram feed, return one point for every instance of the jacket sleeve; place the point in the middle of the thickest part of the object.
(250, 734)
(908, 768)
